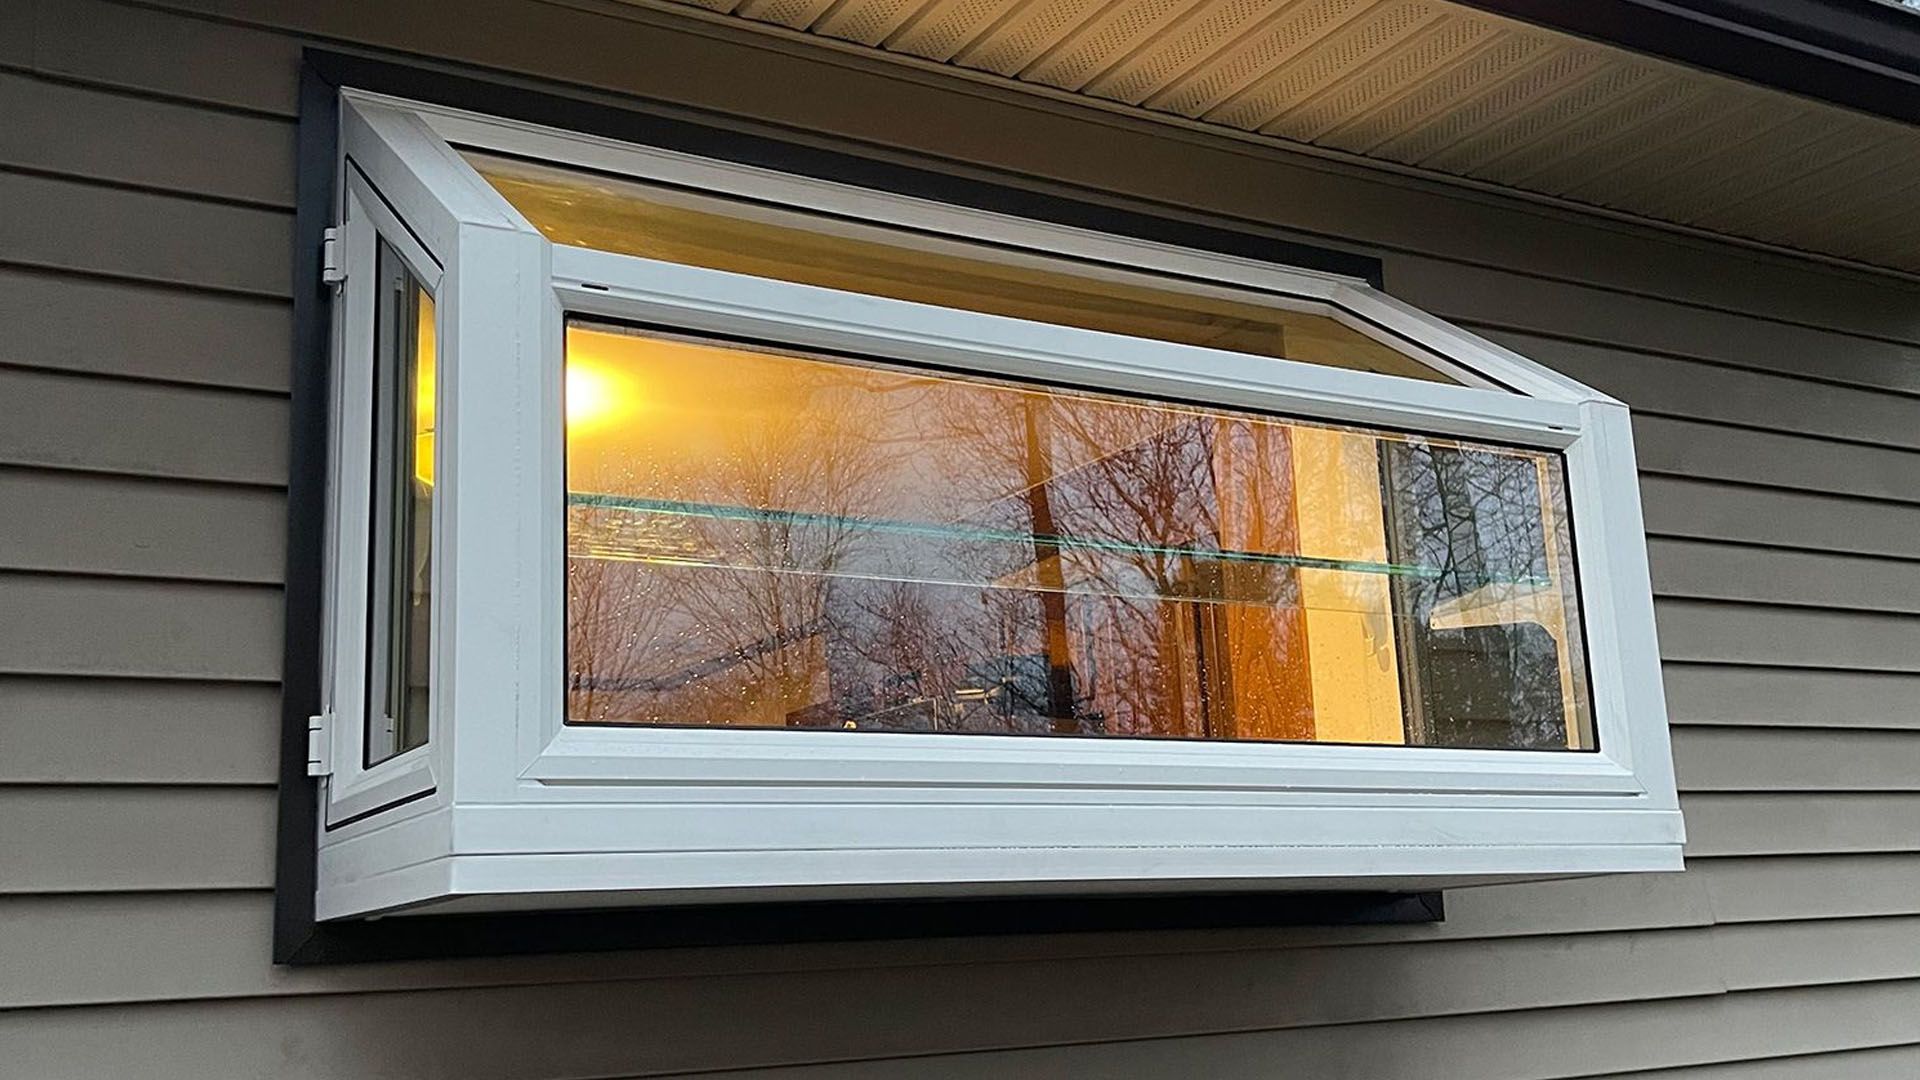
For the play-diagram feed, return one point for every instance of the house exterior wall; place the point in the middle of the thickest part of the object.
(146, 185)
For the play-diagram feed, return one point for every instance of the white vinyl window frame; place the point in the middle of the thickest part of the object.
(355, 787)
(508, 806)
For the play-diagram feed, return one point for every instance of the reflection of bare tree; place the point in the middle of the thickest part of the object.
(908, 552)
(1491, 638)
(1149, 524)
(711, 610)
(610, 609)
(1145, 488)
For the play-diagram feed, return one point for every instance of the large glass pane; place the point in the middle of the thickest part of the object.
(402, 543)
(756, 538)
(591, 210)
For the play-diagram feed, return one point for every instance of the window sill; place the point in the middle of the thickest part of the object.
(529, 855)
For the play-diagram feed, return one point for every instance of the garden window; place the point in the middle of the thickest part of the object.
(704, 532)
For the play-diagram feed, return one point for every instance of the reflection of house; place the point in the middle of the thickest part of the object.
(1481, 636)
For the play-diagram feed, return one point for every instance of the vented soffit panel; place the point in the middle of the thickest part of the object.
(1437, 87)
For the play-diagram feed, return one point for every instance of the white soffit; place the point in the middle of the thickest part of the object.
(1439, 87)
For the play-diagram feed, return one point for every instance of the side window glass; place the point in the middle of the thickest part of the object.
(400, 602)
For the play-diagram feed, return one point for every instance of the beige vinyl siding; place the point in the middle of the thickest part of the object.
(96, 324)
(145, 190)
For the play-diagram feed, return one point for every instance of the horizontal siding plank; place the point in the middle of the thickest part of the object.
(1686, 448)
(63, 128)
(1511, 301)
(1785, 888)
(141, 429)
(1703, 509)
(1799, 759)
(73, 323)
(99, 948)
(1685, 568)
(133, 48)
(155, 629)
(157, 926)
(1617, 902)
(1878, 1063)
(92, 228)
(1796, 824)
(17, 34)
(1729, 395)
(212, 945)
(92, 839)
(1752, 696)
(695, 1023)
(98, 524)
(482, 1035)
(1584, 1043)
(1759, 956)
(1712, 632)
(123, 731)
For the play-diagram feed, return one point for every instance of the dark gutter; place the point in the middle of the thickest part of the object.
(1860, 54)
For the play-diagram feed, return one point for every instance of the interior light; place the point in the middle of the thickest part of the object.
(597, 395)
(425, 360)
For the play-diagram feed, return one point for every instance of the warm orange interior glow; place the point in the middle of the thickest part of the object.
(426, 353)
(599, 395)
(586, 210)
(758, 538)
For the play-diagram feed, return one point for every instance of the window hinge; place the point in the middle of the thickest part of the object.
(320, 745)
(331, 272)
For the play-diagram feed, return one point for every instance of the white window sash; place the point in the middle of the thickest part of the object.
(353, 788)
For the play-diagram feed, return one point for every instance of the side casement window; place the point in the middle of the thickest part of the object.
(714, 533)
(399, 604)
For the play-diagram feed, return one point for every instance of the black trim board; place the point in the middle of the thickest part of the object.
(1855, 53)
(295, 871)
(300, 939)
(411, 937)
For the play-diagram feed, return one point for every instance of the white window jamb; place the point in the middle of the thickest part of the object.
(354, 788)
